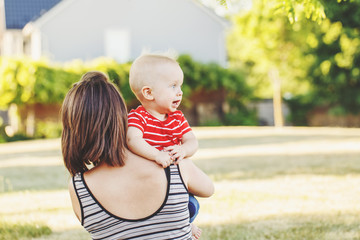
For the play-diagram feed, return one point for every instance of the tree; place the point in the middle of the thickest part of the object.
(317, 60)
(294, 9)
(335, 73)
(270, 47)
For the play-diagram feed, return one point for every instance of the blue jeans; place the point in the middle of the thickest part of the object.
(194, 207)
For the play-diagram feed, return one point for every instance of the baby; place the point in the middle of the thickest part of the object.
(156, 129)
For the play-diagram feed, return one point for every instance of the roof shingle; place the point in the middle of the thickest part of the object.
(19, 12)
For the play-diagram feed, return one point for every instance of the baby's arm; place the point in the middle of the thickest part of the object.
(138, 145)
(189, 145)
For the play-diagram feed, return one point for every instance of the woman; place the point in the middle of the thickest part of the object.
(116, 194)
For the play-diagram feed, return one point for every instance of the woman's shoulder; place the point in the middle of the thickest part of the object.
(197, 181)
(186, 163)
(141, 166)
(185, 167)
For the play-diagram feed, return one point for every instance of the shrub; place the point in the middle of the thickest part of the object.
(48, 129)
(24, 81)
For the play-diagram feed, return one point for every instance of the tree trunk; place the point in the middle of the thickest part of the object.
(30, 121)
(14, 120)
(277, 100)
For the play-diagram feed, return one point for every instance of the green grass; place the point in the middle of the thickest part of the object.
(20, 231)
(291, 183)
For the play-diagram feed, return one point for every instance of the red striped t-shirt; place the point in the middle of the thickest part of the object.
(159, 134)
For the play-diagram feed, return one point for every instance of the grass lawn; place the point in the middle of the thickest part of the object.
(290, 183)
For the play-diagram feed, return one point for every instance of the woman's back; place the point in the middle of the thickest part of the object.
(138, 180)
(129, 203)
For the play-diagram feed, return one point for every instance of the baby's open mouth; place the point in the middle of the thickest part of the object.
(176, 102)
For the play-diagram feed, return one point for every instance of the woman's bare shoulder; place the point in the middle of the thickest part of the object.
(143, 163)
(197, 181)
(186, 164)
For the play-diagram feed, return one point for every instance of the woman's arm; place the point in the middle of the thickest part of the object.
(197, 182)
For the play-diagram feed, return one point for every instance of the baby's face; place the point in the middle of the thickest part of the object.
(167, 88)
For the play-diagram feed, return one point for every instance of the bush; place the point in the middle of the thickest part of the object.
(24, 81)
(48, 129)
(299, 107)
(2, 131)
(245, 117)
(211, 76)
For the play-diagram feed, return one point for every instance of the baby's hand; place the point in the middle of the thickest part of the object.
(177, 153)
(163, 159)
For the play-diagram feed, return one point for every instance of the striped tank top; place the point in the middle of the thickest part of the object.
(170, 221)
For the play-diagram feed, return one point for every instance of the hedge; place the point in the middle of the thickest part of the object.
(24, 81)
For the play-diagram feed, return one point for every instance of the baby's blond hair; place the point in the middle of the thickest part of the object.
(146, 69)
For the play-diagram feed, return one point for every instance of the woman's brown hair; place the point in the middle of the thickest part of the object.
(94, 118)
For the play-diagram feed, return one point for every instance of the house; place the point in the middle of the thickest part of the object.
(14, 15)
(63, 30)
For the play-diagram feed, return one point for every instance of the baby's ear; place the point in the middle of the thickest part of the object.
(147, 93)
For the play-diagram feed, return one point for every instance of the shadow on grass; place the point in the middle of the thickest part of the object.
(33, 154)
(228, 142)
(257, 167)
(294, 227)
(21, 178)
(78, 234)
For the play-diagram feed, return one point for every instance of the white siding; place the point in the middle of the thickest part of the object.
(117, 44)
(12, 43)
(80, 29)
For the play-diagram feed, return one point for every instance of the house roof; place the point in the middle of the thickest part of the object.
(19, 12)
(63, 4)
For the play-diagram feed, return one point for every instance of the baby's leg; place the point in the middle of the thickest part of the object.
(194, 210)
(196, 232)
(194, 207)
